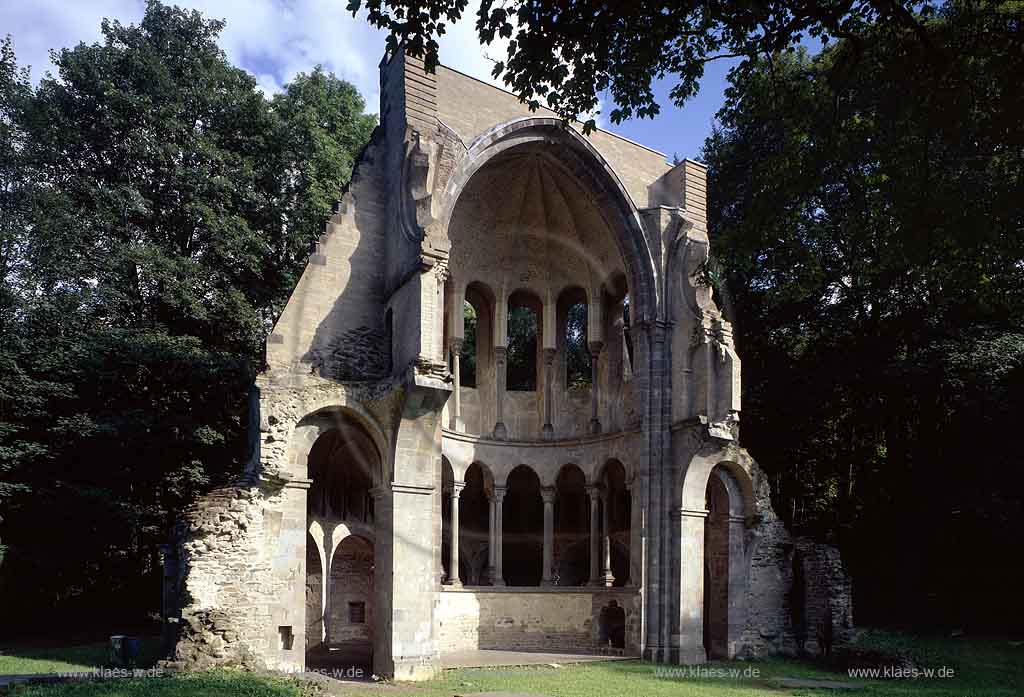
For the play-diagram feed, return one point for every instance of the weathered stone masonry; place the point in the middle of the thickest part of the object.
(392, 509)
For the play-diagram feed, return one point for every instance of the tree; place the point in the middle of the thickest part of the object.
(567, 53)
(869, 227)
(157, 210)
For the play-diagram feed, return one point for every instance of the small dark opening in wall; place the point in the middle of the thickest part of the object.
(467, 359)
(577, 352)
(612, 625)
(357, 613)
(523, 334)
(285, 637)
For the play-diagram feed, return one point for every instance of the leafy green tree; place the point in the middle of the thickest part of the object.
(564, 54)
(522, 348)
(321, 130)
(467, 357)
(157, 210)
(869, 225)
(577, 352)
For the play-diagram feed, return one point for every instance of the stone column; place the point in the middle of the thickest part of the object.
(500, 375)
(595, 496)
(738, 581)
(548, 494)
(491, 541)
(325, 586)
(635, 533)
(607, 578)
(691, 586)
(453, 564)
(595, 390)
(499, 497)
(455, 346)
(548, 432)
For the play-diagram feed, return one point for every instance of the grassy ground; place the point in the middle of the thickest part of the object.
(982, 669)
(79, 658)
(215, 684)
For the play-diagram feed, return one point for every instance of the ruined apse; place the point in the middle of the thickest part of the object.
(500, 411)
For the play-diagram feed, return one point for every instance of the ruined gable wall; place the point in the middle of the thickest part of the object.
(471, 107)
(333, 323)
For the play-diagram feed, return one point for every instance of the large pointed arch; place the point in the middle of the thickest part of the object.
(594, 173)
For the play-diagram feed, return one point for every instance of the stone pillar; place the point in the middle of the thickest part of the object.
(595, 496)
(407, 544)
(548, 494)
(548, 431)
(326, 559)
(738, 581)
(455, 346)
(635, 533)
(499, 497)
(607, 578)
(491, 539)
(500, 375)
(690, 640)
(453, 564)
(595, 389)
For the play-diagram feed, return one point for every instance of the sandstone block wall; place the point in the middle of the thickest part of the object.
(532, 620)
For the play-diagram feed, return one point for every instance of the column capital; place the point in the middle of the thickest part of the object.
(455, 344)
(595, 347)
(547, 493)
(457, 488)
(549, 356)
(593, 491)
(498, 494)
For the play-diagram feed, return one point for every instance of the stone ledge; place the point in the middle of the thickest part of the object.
(557, 443)
(517, 590)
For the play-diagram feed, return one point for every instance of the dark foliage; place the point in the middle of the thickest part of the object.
(563, 55)
(155, 210)
(869, 224)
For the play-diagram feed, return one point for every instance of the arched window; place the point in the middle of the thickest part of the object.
(474, 526)
(577, 353)
(716, 569)
(572, 321)
(572, 527)
(467, 358)
(616, 517)
(341, 464)
(523, 528)
(523, 344)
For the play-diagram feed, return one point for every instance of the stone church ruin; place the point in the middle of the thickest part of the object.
(501, 411)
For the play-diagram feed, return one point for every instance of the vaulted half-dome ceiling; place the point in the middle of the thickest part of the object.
(525, 213)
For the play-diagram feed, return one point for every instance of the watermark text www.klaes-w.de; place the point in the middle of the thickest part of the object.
(112, 673)
(901, 673)
(699, 672)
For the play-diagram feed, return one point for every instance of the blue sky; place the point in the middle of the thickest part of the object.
(276, 39)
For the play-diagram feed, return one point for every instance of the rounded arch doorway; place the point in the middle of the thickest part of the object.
(344, 465)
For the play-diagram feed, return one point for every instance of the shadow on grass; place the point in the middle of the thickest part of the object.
(80, 658)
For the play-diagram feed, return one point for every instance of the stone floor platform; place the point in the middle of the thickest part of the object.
(494, 658)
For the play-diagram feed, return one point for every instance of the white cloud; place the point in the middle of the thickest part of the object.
(273, 39)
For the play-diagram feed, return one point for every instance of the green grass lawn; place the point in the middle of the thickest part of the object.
(79, 658)
(222, 683)
(983, 668)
